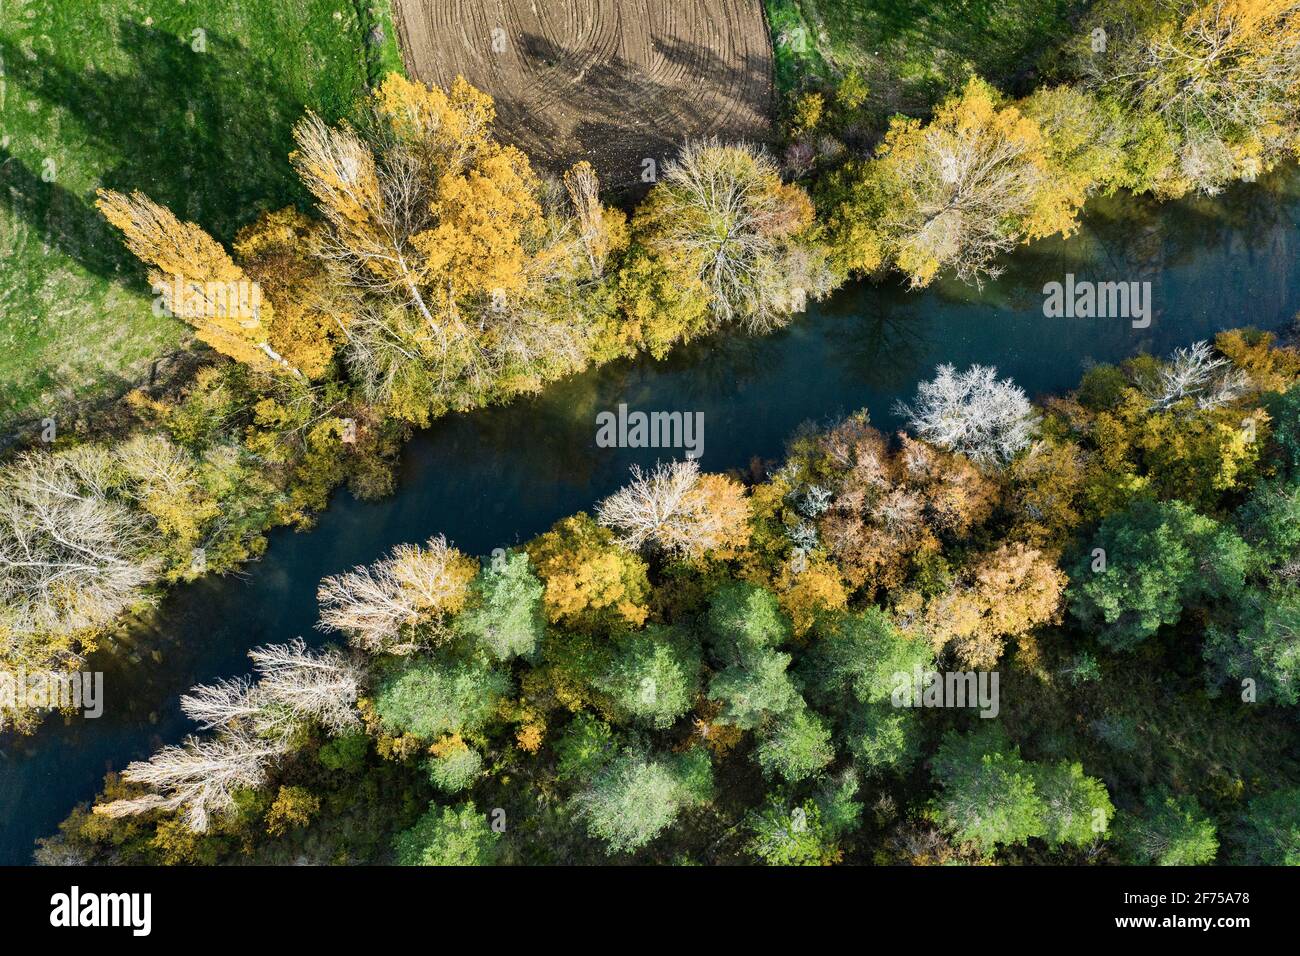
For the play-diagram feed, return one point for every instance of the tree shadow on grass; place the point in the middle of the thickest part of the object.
(206, 134)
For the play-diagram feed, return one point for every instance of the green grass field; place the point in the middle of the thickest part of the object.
(130, 94)
(913, 51)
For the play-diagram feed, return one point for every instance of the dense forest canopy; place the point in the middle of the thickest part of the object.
(1066, 636)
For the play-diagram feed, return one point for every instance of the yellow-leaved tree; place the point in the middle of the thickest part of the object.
(955, 193)
(470, 275)
(1220, 76)
(197, 279)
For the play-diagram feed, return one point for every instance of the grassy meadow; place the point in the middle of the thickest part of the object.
(912, 51)
(191, 101)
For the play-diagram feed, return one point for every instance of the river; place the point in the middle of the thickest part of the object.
(496, 477)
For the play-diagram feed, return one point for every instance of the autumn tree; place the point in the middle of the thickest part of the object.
(401, 601)
(309, 321)
(200, 776)
(676, 510)
(1183, 428)
(197, 279)
(257, 722)
(1003, 594)
(1094, 142)
(464, 267)
(952, 194)
(588, 575)
(1045, 491)
(807, 589)
(721, 217)
(1220, 75)
(891, 512)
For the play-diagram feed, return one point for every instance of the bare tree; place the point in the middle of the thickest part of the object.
(987, 420)
(73, 554)
(724, 207)
(200, 776)
(255, 723)
(1196, 373)
(380, 606)
(319, 687)
(222, 704)
(671, 508)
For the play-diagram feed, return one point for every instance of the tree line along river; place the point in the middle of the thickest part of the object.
(496, 477)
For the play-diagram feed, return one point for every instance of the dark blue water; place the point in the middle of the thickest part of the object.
(496, 477)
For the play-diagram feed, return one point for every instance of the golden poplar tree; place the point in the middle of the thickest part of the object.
(198, 280)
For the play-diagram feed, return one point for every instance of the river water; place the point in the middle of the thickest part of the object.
(496, 477)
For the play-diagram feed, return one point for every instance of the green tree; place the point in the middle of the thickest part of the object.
(1158, 557)
(637, 795)
(1269, 830)
(432, 696)
(744, 616)
(988, 794)
(1168, 831)
(858, 658)
(504, 612)
(584, 748)
(1269, 520)
(755, 686)
(448, 837)
(852, 672)
(883, 738)
(795, 745)
(1076, 808)
(653, 676)
(1264, 647)
(454, 767)
(752, 682)
(808, 833)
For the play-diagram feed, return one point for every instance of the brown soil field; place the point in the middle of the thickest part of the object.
(614, 82)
